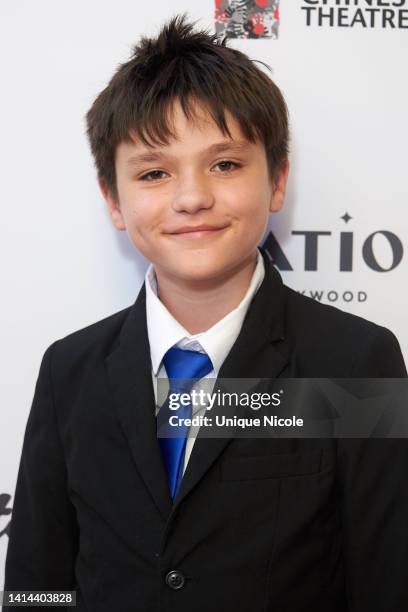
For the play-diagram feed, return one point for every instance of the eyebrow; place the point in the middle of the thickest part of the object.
(236, 146)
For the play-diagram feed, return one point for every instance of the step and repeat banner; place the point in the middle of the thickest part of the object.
(340, 239)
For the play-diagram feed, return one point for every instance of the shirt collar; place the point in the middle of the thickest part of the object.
(164, 331)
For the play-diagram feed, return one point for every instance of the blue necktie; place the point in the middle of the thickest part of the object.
(181, 366)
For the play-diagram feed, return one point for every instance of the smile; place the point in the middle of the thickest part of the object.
(197, 233)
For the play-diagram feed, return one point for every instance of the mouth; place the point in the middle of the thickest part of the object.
(200, 231)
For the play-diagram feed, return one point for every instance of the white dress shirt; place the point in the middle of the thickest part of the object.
(164, 331)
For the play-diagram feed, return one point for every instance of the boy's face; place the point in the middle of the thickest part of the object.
(196, 211)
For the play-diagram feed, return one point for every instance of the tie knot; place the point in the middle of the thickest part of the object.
(183, 365)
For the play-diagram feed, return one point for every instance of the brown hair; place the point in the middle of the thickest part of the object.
(186, 64)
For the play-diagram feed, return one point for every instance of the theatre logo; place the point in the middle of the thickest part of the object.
(368, 14)
(247, 18)
(380, 251)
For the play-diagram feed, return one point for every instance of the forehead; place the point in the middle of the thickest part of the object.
(199, 118)
(197, 133)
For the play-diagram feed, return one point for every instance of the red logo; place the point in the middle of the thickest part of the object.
(247, 18)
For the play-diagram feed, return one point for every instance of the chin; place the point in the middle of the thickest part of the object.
(196, 272)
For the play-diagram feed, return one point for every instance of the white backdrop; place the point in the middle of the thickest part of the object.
(64, 266)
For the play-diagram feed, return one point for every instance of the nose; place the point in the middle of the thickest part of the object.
(193, 195)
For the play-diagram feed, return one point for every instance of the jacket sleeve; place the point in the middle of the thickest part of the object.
(43, 537)
(373, 488)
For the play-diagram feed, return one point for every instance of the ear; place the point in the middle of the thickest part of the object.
(279, 187)
(113, 206)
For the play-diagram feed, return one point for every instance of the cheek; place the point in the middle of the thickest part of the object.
(250, 208)
(141, 214)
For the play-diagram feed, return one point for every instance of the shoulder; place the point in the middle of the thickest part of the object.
(346, 343)
(309, 316)
(88, 344)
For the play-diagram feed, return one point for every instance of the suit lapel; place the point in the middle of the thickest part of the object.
(129, 372)
(260, 351)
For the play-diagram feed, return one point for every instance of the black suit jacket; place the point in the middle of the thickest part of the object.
(259, 525)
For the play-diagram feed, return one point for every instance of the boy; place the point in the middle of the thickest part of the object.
(190, 141)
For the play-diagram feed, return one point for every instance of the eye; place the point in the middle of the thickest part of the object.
(228, 162)
(153, 174)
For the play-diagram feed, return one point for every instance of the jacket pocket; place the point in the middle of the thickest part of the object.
(281, 465)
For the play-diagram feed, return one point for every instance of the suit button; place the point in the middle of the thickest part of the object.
(175, 579)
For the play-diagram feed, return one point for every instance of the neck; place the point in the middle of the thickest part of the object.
(199, 305)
